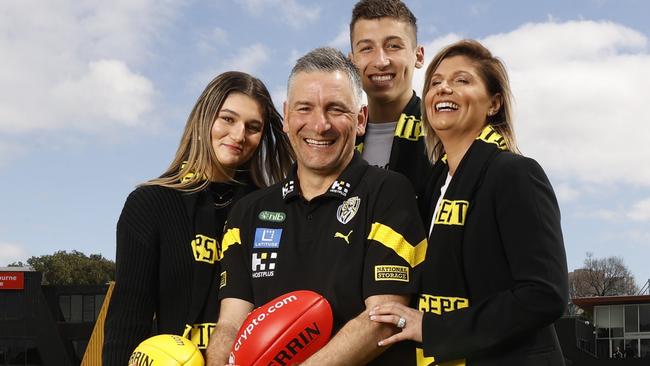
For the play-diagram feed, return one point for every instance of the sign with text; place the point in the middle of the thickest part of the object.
(12, 280)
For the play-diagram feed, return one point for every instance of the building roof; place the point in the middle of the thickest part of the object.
(17, 269)
(587, 303)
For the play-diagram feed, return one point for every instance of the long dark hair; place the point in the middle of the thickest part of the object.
(195, 159)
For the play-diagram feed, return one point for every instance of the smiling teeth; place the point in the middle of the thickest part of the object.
(446, 105)
(381, 77)
(318, 142)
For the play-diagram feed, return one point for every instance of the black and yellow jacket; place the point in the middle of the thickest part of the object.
(513, 268)
(408, 153)
(162, 281)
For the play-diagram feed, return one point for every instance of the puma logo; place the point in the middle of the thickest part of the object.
(344, 237)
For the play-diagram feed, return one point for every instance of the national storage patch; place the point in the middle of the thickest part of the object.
(391, 273)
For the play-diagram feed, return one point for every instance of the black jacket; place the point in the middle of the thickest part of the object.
(157, 272)
(515, 271)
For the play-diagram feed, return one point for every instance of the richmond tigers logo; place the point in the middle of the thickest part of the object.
(348, 209)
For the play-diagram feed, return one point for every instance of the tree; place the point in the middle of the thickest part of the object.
(17, 264)
(75, 268)
(602, 277)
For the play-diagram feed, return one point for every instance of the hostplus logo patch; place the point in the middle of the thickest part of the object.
(263, 264)
(340, 187)
(287, 188)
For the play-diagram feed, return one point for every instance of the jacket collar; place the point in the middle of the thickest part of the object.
(340, 188)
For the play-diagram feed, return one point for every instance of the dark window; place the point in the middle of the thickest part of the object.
(12, 304)
(618, 348)
(19, 352)
(644, 318)
(602, 348)
(631, 348)
(631, 318)
(79, 348)
(616, 321)
(32, 357)
(99, 300)
(80, 308)
(645, 348)
(89, 308)
(64, 304)
(602, 321)
(75, 308)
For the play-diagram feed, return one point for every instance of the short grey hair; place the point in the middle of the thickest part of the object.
(328, 59)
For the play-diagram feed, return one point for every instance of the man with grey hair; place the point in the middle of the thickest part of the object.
(336, 225)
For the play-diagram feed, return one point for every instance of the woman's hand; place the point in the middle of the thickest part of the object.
(408, 319)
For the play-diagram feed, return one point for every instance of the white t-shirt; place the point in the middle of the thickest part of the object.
(443, 190)
(378, 143)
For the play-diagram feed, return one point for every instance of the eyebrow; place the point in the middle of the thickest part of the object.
(229, 111)
(302, 102)
(455, 73)
(339, 105)
(389, 38)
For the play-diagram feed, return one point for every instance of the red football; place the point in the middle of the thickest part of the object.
(284, 331)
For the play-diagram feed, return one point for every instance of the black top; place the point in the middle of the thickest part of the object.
(157, 259)
(514, 267)
(360, 238)
(408, 152)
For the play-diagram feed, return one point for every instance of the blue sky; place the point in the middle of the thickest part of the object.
(95, 94)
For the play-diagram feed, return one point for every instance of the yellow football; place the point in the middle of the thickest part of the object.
(166, 350)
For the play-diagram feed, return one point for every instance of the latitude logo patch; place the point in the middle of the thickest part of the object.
(348, 209)
(267, 238)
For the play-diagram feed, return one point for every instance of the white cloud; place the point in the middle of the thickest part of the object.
(279, 96)
(10, 252)
(565, 192)
(54, 52)
(108, 92)
(292, 12)
(209, 41)
(600, 214)
(342, 39)
(478, 9)
(580, 92)
(248, 59)
(294, 56)
(640, 211)
(9, 151)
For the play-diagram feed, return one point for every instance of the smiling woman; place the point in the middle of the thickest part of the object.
(169, 232)
(494, 278)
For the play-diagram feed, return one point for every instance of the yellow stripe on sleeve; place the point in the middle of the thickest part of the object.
(390, 238)
(231, 237)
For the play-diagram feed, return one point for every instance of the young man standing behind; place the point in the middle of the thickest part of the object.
(385, 50)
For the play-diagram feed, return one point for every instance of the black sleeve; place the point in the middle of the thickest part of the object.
(397, 242)
(132, 304)
(235, 262)
(528, 220)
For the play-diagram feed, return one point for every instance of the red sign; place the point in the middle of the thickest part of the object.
(12, 280)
